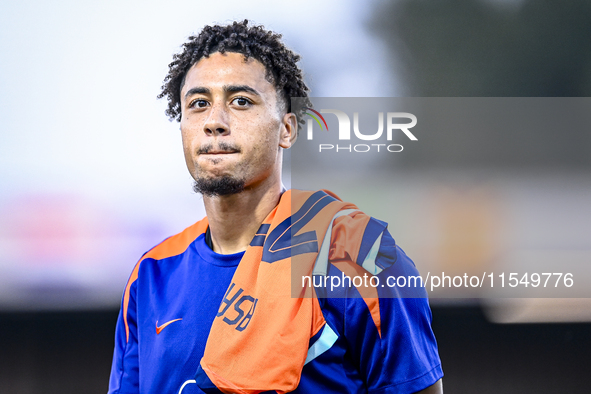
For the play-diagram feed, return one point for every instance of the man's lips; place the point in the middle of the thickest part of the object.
(220, 149)
(220, 152)
(217, 156)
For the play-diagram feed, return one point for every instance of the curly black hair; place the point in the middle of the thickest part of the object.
(251, 41)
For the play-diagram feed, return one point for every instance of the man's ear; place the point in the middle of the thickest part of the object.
(289, 131)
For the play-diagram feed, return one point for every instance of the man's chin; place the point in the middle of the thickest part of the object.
(219, 186)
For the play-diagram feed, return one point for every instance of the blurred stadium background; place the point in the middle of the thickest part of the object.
(92, 174)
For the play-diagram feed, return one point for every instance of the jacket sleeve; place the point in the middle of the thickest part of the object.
(125, 368)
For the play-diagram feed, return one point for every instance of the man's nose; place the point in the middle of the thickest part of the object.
(217, 121)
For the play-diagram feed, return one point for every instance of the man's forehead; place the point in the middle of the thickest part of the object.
(227, 68)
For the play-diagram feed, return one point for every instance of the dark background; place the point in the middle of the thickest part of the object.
(472, 48)
(71, 353)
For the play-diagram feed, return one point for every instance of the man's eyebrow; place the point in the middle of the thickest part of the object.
(240, 88)
(227, 89)
(197, 90)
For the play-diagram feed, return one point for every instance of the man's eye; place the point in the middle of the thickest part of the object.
(241, 101)
(198, 103)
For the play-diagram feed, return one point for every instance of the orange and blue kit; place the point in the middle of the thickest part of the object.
(195, 321)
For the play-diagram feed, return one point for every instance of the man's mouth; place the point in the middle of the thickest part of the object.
(221, 149)
(219, 152)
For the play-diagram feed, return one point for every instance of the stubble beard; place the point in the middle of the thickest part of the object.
(219, 186)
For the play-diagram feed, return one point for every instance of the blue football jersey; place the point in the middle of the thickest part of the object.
(174, 295)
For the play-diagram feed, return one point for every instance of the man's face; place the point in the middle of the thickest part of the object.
(232, 124)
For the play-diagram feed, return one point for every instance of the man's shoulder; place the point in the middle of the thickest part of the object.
(178, 243)
(170, 247)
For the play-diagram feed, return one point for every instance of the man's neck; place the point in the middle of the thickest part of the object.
(234, 219)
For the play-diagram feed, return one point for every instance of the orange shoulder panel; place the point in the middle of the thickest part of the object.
(172, 246)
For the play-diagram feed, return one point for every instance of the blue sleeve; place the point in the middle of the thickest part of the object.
(125, 368)
(404, 358)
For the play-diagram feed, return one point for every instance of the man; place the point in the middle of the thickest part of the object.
(209, 309)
